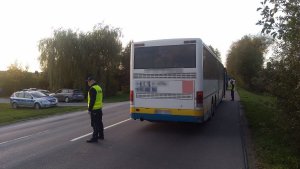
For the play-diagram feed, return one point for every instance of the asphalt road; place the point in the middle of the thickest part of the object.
(59, 142)
(4, 100)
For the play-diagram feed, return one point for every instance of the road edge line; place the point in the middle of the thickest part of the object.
(80, 137)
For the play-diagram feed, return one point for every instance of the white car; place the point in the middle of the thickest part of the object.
(33, 99)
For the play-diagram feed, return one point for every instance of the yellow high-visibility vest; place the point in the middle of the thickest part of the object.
(99, 96)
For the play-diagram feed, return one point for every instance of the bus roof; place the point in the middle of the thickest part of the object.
(159, 42)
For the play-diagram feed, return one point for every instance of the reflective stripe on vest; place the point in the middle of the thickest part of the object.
(98, 101)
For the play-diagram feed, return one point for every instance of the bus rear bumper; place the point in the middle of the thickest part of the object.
(167, 117)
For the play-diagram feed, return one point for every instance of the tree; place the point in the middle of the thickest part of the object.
(216, 52)
(124, 69)
(69, 57)
(281, 19)
(17, 78)
(245, 59)
(103, 57)
(60, 58)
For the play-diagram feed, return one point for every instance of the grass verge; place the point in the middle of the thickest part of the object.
(273, 144)
(120, 97)
(9, 115)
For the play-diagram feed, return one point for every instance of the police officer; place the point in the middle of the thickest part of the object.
(232, 89)
(95, 110)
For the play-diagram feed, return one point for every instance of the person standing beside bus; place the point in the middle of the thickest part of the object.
(95, 110)
(232, 89)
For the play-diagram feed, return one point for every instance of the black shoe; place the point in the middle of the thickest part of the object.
(92, 140)
(101, 138)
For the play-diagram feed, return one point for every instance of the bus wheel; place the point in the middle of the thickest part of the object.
(212, 108)
(215, 105)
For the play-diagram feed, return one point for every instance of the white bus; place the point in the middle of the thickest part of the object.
(178, 80)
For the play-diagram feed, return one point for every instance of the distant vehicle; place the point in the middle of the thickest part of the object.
(33, 99)
(68, 95)
(178, 80)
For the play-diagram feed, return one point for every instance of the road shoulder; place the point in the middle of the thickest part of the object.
(249, 147)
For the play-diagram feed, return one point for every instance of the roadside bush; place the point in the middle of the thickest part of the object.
(17, 78)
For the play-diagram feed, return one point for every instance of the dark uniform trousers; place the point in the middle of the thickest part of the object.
(96, 123)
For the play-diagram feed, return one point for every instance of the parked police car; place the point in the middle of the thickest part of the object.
(33, 99)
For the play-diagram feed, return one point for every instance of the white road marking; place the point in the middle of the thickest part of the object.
(20, 138)
(104, 129)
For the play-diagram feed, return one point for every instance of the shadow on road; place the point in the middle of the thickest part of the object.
(174, 128)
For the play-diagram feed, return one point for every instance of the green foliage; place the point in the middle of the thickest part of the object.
(281, 19)
(69, 57)
(245, 59)
(60, 59)
(119, 97)
(274, 142)
(124, 71)
(17, 78)
(216, 52)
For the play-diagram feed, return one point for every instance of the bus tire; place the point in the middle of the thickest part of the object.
(215, 105)
(212, 107)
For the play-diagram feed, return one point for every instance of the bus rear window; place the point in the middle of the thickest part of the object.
(159, 57)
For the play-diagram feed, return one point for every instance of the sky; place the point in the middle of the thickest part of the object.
(218, 23)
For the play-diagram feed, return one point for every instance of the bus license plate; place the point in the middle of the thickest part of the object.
(162, 112)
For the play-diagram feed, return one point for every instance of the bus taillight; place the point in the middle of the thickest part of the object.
(199, 98)
(131, 96)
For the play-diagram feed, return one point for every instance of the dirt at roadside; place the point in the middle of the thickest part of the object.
(250, 153)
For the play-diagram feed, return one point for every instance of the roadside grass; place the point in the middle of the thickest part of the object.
(9, 115)
(120, 97)
(274, 146)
